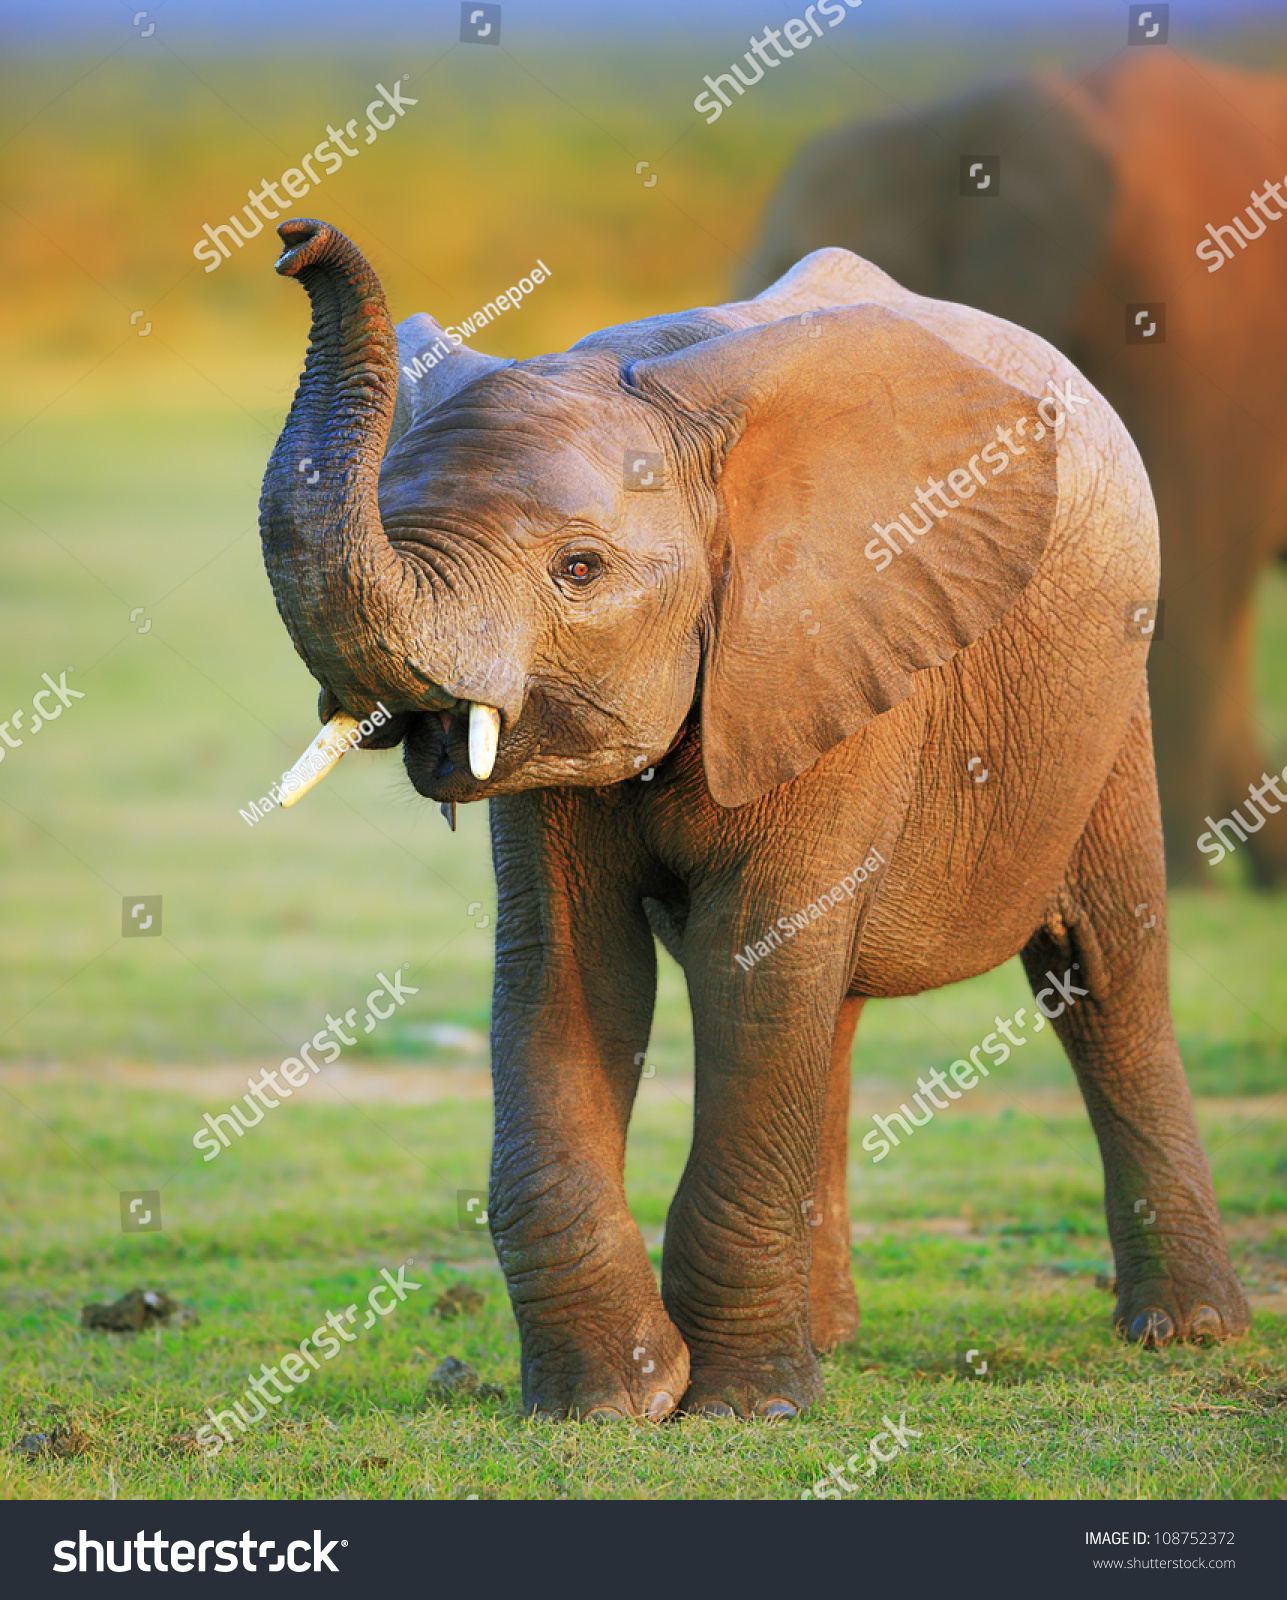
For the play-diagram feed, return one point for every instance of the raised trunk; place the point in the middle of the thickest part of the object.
(358, 611)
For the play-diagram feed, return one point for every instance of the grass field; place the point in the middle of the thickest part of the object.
(130, 479)
(989, 1235)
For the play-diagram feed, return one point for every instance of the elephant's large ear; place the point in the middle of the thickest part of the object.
(836, 426)
(431, 368)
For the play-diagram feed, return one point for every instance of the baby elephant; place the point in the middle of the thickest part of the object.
(796, 633)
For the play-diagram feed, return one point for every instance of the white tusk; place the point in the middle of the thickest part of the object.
(338, 736)
(484, 733)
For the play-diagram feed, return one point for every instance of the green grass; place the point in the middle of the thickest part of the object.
(298, 1220)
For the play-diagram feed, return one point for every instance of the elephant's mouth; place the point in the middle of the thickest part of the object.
(436, 751)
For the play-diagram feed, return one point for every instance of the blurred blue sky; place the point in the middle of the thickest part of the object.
(69, 23)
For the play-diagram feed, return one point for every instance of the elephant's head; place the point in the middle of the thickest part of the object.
(532, 614)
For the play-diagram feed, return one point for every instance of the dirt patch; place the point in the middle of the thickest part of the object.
(409, 1084)
(406, 1085)
(1256, 1230)
(455, 1379)
(136, 1310)
(59, 1442)
(461, 1300)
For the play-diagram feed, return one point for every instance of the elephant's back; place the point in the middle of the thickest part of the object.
(1194, 142)
(891, 191)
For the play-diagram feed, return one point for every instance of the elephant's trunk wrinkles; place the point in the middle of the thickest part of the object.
(358, 610)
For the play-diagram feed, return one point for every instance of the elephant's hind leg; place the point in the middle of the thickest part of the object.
(1099, 967)
(833, 1305)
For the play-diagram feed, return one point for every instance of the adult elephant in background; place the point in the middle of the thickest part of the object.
(874, 765)
(1104, 192)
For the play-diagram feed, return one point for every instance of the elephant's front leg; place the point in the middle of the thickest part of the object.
(575, 985)
(736, 1265)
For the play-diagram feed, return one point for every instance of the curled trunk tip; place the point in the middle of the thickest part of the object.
(308, 243)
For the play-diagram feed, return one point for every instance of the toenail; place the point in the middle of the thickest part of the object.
(1206, 1323)
(1152, 1327)
(661, 1405)
(716, 1408)
(604, 1414)
(776, 1410)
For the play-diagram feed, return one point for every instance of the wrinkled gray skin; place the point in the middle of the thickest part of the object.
(1105, 189)
(801, 706)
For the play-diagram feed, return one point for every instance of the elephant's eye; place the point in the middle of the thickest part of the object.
(579, 567)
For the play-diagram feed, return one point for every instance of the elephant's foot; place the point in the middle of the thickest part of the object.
(642, 1380)
(597, 1341)
(737, 1288)
(772, 1391)
(1201, 1305)
(833, 1312)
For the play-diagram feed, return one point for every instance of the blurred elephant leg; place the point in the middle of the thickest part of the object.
(833, 1305)
(1100, 970)
(1189, 686)
(1208, 747)
(1244, 761)
(575, 986)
